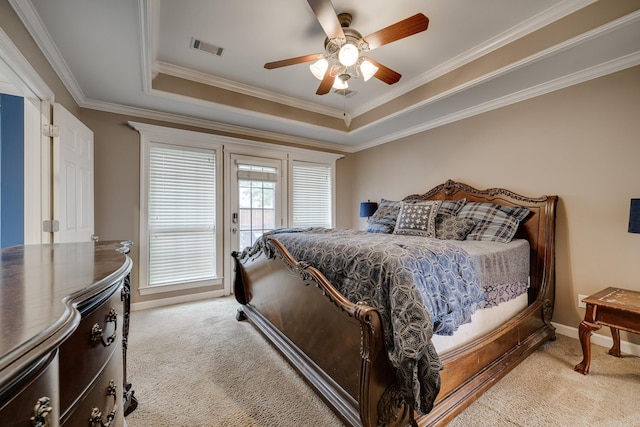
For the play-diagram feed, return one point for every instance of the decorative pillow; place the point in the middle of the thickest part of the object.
(493, 222)
(451, 207)
(449, 227)
(417, 219)
(384, 218)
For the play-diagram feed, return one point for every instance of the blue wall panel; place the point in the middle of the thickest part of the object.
(11, 171)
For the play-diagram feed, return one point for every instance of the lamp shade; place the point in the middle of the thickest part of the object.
(634, 216)
(367, 209)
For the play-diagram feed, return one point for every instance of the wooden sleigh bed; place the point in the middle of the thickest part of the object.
(338, 346)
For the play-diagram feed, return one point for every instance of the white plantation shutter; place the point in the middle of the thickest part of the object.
(311, 195)
(181, 214)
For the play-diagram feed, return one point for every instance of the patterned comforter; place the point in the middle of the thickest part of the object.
(420, 286)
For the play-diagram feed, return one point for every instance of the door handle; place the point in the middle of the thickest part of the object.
(234, 230)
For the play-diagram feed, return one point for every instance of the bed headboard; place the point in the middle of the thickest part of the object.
(538, 228)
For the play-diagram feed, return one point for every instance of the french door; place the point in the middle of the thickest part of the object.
(256, 198)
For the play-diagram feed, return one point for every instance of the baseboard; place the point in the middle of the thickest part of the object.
(162, 302)
(601, 340)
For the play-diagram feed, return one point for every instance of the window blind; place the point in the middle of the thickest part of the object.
(311, 195)
(181, 215)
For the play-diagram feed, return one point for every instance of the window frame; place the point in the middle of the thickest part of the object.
(149, 135)
(317, 158)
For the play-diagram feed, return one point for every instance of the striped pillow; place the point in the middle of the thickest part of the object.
(384, 218)
(494, 222)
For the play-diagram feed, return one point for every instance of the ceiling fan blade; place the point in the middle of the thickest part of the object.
(292, 61)
(384, 73)
(325, 84)
(401, 29)
(327, 17)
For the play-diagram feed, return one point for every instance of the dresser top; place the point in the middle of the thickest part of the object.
(40, 286)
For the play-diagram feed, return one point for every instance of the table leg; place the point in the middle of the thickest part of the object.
(584, 331)
(615, 350)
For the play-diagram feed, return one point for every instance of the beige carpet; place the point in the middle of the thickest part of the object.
(195, 365)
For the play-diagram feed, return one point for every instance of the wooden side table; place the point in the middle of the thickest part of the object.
(613, 307)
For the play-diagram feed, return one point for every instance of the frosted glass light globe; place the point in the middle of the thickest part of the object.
(348, 54)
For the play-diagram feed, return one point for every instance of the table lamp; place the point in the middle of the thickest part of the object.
(367, 208)
(634, 216)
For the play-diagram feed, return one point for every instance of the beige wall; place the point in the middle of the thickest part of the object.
(581, 143)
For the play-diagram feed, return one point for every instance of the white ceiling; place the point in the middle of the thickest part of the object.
(107, 52)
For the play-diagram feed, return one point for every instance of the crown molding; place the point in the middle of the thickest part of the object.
(587, 74)
(209, 124)
(208, 79)
(18, 69)
(29, 17)
(533, 24)
(618, 24)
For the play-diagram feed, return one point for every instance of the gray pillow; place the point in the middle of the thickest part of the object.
(417, 219)
(449, 227)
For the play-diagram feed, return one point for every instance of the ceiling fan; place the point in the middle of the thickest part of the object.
(342, 58)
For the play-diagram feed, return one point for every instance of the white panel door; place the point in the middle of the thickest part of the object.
(72, 178)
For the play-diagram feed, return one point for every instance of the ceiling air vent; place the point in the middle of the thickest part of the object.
(207, 47)
(345, 92)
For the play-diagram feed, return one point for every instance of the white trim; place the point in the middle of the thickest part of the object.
(209, 124)
(598, 339)
(163, 302)
(149, 18)
(22, 73)
(24, 78)
(270, 150)
(331, 161)
(32, 172)
(522, 29)
(542, 89)
(555, 84)
(31, 20)
(161, 289)
(208, 79)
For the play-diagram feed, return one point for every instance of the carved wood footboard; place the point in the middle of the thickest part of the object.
(338, 347)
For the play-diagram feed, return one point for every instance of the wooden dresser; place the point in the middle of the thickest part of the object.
(64, 320)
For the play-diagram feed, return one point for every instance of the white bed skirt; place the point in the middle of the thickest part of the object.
(482, 321)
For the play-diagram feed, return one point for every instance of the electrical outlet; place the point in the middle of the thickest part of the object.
(580, 303)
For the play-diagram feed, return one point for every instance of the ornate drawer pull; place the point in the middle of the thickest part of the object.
(41, 412)
(98, 334)
(96, 416)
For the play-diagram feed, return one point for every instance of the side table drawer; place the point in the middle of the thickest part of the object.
(34, 396)
(102, 404)
(87, 350)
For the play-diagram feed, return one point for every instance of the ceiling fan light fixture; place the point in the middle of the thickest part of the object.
(367, 69)
(348, 54)
(340, 84)
(319, 68)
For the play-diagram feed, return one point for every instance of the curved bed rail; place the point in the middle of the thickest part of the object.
(363, 390)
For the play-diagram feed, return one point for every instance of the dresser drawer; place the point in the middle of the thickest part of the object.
(85, 353)
(33, 395)
(102, 404)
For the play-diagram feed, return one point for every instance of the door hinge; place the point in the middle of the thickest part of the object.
(50, 225)
(52, 131)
